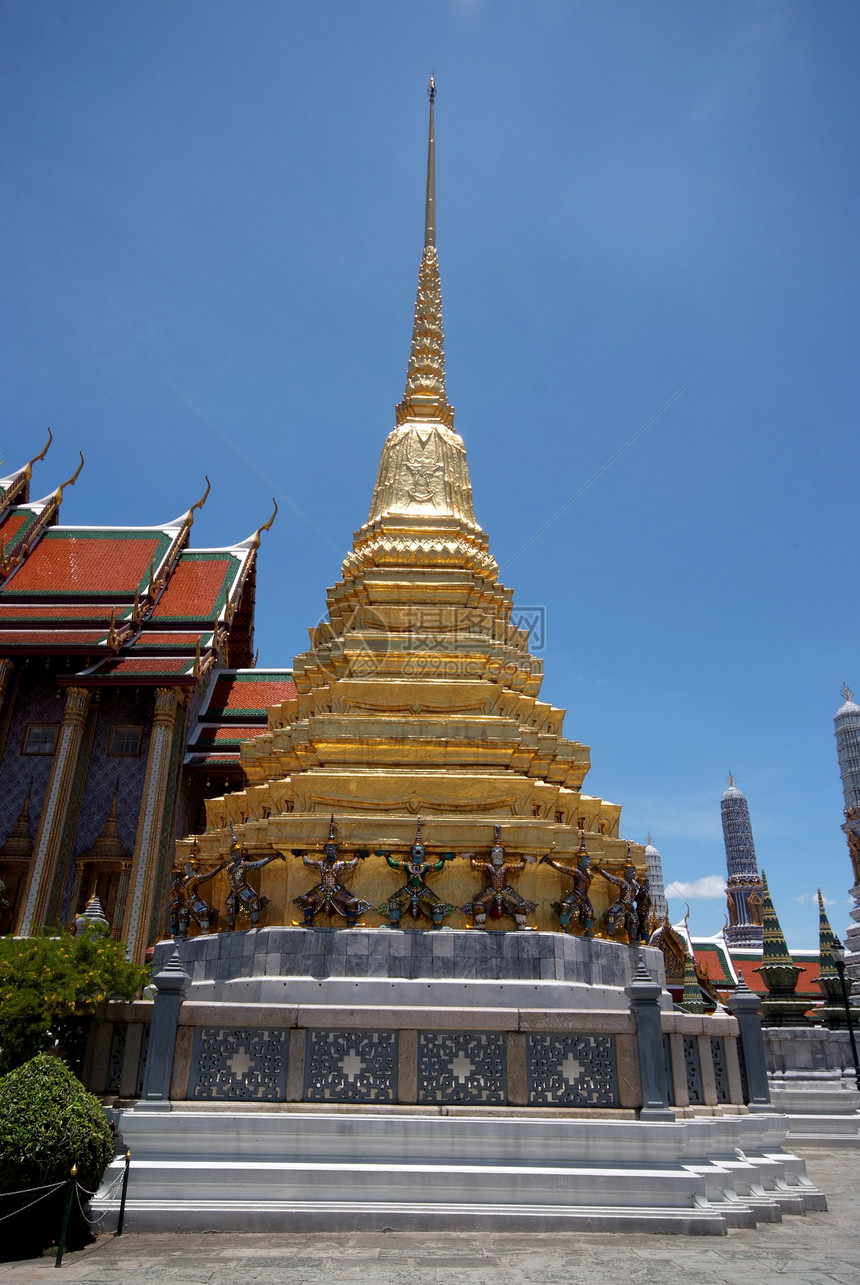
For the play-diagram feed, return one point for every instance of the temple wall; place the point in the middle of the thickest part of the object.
(421, 1019)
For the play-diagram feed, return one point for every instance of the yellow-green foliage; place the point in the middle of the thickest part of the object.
(48, 981)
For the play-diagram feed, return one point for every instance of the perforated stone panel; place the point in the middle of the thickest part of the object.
(667, 1070)
(456, 1066)
(721, 1074)
(144, 1054)
(351, 1066)
(116, 1057)
(694, 1070)
(242, 1064)
(572, 1070)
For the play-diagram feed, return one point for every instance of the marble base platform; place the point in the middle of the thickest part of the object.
(812, 1080)
(298, 1169)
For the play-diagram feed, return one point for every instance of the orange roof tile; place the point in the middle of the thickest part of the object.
(88, 563)
(197, 588)
(805, 982)
(207, 735)
(32, 614)
(172, 641)
(50, 638)
(710, 960)
(128, 666)
(12, 523)
(242, 693)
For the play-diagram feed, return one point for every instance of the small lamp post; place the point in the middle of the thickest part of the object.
(838, 953)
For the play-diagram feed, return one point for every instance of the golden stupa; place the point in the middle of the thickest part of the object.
(418, 697)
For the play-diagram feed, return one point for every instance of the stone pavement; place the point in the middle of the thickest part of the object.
(818, 1249)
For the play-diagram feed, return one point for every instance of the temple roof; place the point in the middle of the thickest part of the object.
(97, 562)
(724, 965)
(15, 487)
(134, 602)
(233, 710)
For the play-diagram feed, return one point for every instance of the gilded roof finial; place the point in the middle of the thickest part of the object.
(267, 526)
(425, 397)
(730, 781)
(430, 203)
(42, 453)
(58, 494)
(846, 692)
(199, 505)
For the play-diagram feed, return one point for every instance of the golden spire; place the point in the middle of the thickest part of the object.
(425, 396)
(430, 202)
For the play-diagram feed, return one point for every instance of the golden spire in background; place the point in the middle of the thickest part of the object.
(425, 396)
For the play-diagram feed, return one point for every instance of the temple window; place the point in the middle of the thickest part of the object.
(40, 738)
(124, 741)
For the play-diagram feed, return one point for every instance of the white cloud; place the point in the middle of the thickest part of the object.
(709, 887)
(811, 898)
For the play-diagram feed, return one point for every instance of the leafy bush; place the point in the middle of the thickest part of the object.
(48, 983)
(48, 1122)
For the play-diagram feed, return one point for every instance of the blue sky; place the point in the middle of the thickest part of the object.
(229, 197)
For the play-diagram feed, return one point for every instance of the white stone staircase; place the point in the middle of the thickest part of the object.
(294, 1168)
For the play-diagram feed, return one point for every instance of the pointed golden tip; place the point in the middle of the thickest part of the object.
(846, 692)
(58, 494)
(43, 452)
(204, 497)
(267, 526)
(730, 780)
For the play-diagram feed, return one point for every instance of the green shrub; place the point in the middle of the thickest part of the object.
(48, 983)
(48, 1122)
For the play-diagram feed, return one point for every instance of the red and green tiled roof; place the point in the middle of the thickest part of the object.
(88, 640)
(71, 562)
(199, 587)
(233, 711)
(134, 668)
(14, 527)
(239, 693)
(180, 641)
(746, 964)
(713, 961)
(13, 615)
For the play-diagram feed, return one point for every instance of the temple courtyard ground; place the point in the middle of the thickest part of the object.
(817, 1249)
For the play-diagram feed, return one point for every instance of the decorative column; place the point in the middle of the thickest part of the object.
(55, 810)
(743, 886)
(171, 984)
(745, 1005)
(644, 995)
(150, 823)
(7, 667)
(847, 725)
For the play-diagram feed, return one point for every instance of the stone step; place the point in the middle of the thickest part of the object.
(349, 1215)
(262, 1181)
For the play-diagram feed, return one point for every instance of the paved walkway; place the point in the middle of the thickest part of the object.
(818, 1249)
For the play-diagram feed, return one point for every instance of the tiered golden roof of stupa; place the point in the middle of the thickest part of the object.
(418, 697)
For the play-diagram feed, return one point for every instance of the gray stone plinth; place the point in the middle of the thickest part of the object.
(391, 966)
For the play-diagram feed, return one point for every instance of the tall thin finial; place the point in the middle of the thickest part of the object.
(846, 692)
(425, 397)
(430, 206)
(730, 781)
